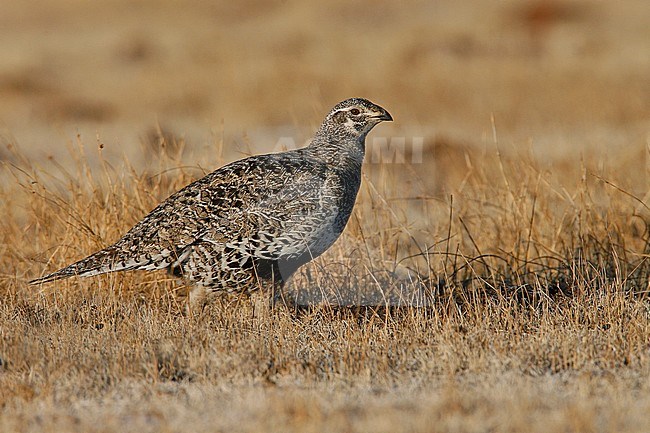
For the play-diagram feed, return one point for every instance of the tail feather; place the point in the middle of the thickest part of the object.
(102, 262)
(69, 271)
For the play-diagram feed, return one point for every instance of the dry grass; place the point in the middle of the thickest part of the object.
(501, 284)
(537, 315)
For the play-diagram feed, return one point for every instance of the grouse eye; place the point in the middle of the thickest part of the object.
(355, 111)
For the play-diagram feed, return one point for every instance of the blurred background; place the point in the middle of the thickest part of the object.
(562, 77)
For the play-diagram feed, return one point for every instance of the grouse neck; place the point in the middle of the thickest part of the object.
(340, 152)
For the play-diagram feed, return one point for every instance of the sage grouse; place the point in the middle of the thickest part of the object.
(250, 224)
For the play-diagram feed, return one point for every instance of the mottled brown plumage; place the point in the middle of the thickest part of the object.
(252, 223)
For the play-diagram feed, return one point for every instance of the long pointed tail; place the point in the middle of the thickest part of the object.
(101, 262)
(111, 259)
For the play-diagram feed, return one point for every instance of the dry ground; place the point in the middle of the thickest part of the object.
(521, 231)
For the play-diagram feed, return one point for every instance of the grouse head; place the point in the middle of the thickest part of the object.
(355, 117)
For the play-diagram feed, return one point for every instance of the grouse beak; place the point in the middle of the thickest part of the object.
(383, 115)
